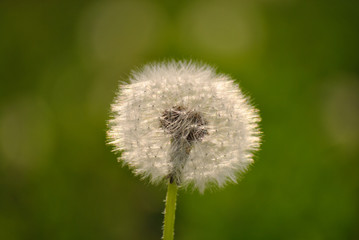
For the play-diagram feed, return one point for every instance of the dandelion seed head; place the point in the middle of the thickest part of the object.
(183, 121)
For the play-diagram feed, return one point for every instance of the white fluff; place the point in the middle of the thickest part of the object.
(232, 124)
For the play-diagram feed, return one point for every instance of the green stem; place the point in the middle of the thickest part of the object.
(168, 227)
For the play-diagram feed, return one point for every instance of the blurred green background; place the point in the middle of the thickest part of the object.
(60, 63)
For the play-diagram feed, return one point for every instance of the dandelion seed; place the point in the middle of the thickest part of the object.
(176, 112)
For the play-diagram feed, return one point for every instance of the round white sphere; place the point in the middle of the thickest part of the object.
(230, 123)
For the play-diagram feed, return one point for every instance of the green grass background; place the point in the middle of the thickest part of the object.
(60, 63)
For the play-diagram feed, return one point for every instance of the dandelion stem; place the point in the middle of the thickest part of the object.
(168, 227)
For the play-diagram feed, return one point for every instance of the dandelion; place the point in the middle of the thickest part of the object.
(181, 122)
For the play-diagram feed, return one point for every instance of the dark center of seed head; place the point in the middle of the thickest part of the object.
(185, 127)
(184, 124)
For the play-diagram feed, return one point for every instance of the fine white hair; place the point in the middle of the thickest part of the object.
(147, 128)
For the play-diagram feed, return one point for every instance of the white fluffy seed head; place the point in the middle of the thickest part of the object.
(182, 121)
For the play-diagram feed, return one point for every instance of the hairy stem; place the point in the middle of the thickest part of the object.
(168, 226)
